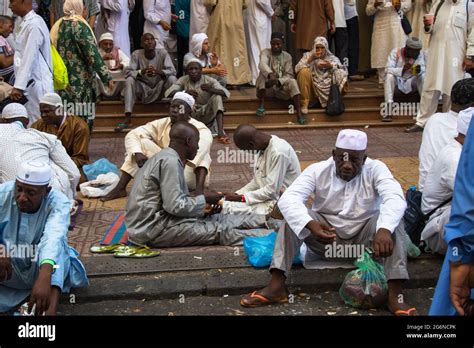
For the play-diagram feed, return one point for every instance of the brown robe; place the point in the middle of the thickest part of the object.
(74, 135)
(311, 19)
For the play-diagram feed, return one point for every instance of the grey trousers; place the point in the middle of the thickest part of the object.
(288, 244)
(135, 88)
(207, 113)
(215, 229)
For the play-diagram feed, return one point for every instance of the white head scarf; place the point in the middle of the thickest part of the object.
(196, 44)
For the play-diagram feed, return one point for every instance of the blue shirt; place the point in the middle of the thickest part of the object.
(183, 11)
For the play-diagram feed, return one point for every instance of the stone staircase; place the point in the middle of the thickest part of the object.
(363, 104)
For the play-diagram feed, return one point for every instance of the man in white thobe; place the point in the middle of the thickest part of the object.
(33, 62)
(356, 201)
(33, 145)
(275, 168)
(157, 20)
(439, 187)
(258, 26)
(146, 141)
(116, 61)
(450, 55)
(113, 19)
(441, 127)
(405, 72)
(199, 18)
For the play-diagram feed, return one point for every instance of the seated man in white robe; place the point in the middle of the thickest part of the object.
(357, 202)
(276, 167)
(33, 145)
(161, 213)
(35, 218)
(439, 187)
(405, 72)
(116, 61)
(441, 128)
(209, 95)
(145, 141)
(150, 73)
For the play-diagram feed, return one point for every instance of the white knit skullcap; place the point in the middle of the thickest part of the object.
(187, 98)
(52, 99)
(14, 110)
(106, 36)
(351, 139)
(193, 60)
(35, 173)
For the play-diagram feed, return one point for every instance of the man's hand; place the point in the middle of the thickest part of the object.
(323, 233)
(214, 59)
(383, 243)
(323, 64)
(140, 159)
(192, 93)
(174, 18)
(293, 28)
(233, 197)
(407, 67)
(16, 94)
(460, 285)
(108, 56)
(468, 64)
(41, 293)
(213, 209)
(119, 67)
(5, 269)
(206, 87)
(213, 197)
(333, 28)
(165, 25)
(220, 70)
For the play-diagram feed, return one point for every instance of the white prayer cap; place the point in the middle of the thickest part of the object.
(193, 60)
(187, 98)
(52, 99)
(351, 139)
(35, 173)
(106, 36)
(464, 120)
(14, 110)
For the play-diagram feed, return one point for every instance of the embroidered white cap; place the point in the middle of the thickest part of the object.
(14, 110)
(35, 173)
(351, 139)
(106, 36)
(52, 99)
(187, 98)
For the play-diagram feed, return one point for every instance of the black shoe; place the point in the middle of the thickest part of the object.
(414, 129)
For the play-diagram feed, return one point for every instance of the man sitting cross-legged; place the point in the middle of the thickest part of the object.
(209, 95)
(150, 73)
(357, 201)
(276, 167)
(161, 213)
(72, 131)
(146, 141)
(36, 218)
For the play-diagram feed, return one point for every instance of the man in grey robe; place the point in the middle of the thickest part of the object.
(170, 217)
(209, 95)
(150, 73)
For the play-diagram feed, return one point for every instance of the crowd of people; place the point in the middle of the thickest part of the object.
(219, 44)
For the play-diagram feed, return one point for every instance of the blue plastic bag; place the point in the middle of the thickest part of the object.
(101, 166)
(259, 250)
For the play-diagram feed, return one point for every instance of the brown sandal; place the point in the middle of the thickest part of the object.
(224, 140)
(254, 300)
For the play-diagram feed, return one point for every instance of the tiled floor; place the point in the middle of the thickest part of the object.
(396, 148)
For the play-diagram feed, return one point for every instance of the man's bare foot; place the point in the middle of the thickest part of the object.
(114, 194)
(264, 297)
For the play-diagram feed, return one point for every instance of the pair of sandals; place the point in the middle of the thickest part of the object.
(125, 251)
(261, 112)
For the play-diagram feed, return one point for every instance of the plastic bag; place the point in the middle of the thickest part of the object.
(259, 250)
(101, 186)
(102, 166)
(60, 76)
(365, 287)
